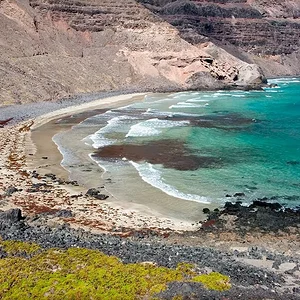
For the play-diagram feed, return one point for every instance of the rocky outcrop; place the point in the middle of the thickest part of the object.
(56, 48)
(263, 32)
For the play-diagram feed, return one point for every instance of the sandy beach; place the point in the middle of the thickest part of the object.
(257, 240)
(29, 155)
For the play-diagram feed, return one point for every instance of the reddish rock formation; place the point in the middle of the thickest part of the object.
(55, 48)
(257, 31)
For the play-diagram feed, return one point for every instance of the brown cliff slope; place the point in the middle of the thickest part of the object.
(55, 48)
(259, 31)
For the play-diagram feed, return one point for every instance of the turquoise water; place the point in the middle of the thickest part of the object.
(253, 138)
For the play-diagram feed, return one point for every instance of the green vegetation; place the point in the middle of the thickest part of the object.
(15, 247)
(214, 281)
(87, 274)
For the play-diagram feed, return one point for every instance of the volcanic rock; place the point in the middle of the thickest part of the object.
(11, 215)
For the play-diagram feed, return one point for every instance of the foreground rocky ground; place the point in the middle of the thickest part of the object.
(255, 273)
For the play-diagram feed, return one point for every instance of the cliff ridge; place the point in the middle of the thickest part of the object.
(51, 49)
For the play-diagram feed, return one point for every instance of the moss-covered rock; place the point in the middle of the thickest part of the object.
(79, 273)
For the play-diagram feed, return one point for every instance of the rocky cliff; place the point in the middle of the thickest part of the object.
(55, 48)
(257, 31)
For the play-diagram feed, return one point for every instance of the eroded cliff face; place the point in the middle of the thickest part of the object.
(55, 48)
(257, 31)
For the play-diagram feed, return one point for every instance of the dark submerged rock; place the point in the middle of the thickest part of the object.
(239, 194)
(293, 162)
(206, 210)
(171, 154)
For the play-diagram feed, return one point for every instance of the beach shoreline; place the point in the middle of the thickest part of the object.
(148, 201)
(56, 212)
(41, 157)
(32, 140)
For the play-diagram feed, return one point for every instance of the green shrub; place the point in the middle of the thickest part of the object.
(214, 281)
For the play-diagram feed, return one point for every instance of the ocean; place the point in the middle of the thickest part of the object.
(209, 147)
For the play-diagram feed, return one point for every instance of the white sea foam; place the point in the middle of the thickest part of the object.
(179, 95)
(218, 94)
(283, 80)
(150, 111)
(273, 90)
(193, 93)
(155, 112)
(113, 125)
(224, 94)
(238, 96)
(101, 141)
(154, 177)
(56, 139)
(98, 163)
(185, 105)
(182, 114)
(196, 100)
(142, 130)
(153, 127)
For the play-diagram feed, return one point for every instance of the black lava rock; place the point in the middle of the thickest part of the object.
(272, 206)
(96, 194)
(240, 194)
(12, 215)
(11, 190)
(206, 210)
(64, 213)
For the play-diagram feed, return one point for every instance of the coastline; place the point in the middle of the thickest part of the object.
(148, 201)
(57, 213)
(42, 157)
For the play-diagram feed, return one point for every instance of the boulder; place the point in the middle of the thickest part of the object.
(12, 215)
(11, 190)
(64, 213)
(96, 194)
